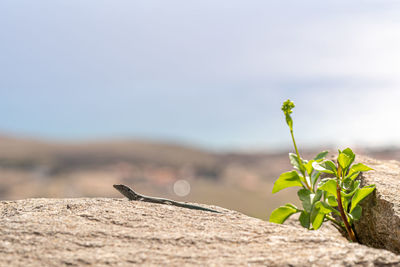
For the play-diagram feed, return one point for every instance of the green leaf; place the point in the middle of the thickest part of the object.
(353, 175)
(303, 193)
(309, 167)
(287, 179)
(308, 198)
(344, 160)
(354, 188)
(359, 167)
(305, 219)
(321, 155)
(324, 207)
(317, 196)
(294, 161)
(318, 214)
(314, 177)
(356, 213)
(347, 184)
(332, 201)
(304, 196)
(291, 205)
(317, 219)
(325, 166)
(280, 214)
(328, 186)
(350, 154)
(360, 194)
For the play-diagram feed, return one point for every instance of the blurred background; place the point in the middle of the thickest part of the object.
(181, 99)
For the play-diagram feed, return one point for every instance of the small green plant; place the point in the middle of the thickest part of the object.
(335, 198)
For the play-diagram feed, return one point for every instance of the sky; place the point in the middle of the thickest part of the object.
(207, 73)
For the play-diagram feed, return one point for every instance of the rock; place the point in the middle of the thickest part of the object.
(326, 227)
(379, 225)
(117, 232)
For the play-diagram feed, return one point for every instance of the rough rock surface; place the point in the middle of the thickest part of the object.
(327, 227)
(380, 222)
(117, 232)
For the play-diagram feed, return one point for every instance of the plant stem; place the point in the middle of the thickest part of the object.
(334, 221)
(349, 230)
(302, 168)
(295, 146)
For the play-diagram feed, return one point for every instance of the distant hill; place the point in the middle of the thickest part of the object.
(241, 181)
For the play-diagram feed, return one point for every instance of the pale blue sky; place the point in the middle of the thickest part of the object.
(211, 73)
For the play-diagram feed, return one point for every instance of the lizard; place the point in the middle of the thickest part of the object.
(132, 195)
